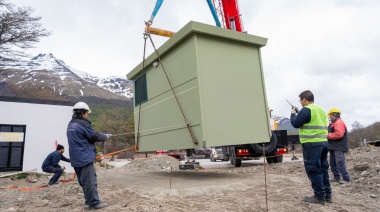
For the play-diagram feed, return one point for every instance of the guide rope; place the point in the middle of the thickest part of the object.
(37, 187)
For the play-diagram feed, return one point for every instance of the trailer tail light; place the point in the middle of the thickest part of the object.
(243, 152)
(281, 151)
(161, 152)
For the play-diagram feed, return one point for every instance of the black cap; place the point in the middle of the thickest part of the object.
(59, 147)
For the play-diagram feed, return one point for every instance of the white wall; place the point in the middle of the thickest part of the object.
(44, 125)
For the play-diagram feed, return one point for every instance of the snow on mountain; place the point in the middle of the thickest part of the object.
(3, 9)
(85, 75)
(46, 62)
(58, 69)
(117, 85)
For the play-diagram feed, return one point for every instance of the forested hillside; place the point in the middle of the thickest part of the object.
(358, 133)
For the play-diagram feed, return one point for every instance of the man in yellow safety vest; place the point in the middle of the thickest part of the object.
(313, 123)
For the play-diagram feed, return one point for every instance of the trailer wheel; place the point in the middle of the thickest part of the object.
(267, 147)
(237, 161)
(279, 159)
(270, 160)
(275, 159)
(232, 155)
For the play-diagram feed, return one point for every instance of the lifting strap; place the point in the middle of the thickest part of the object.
(140, 95)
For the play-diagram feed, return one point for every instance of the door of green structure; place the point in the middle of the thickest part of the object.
(12, 143)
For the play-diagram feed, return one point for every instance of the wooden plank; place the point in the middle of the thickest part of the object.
(11, 174)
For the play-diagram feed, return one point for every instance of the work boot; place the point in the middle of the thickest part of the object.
(99, 206)
(344, 183)
(315, 200)
(328, 199)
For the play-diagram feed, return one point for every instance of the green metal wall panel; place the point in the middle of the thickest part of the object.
(217, 76)
(232, 93)
(162, 122)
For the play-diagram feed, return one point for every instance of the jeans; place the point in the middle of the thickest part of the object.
(57, 173)
(338, 165)
(317, 167)
(89, 183)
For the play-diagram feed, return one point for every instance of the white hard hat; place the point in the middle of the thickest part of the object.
(82, 105)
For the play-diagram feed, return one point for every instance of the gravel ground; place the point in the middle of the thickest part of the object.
(147, 184)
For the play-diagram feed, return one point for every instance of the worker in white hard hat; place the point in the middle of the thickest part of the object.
(82, 137)
(338, 147)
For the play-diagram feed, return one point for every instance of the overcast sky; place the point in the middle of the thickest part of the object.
(331, 47)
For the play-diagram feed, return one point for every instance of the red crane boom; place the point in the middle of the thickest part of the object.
(229, 15)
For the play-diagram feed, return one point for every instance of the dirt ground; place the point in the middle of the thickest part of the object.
(146, 184)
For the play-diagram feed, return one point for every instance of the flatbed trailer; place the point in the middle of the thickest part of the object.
(273, 151)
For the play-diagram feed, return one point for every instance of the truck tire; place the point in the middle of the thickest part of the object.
(267, 147)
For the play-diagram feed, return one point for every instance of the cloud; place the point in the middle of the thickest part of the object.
(330, 46)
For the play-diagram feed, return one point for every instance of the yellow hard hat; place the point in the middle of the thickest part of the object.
(334, 110)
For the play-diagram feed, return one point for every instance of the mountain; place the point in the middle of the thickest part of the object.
(284, 124)
(47, 72)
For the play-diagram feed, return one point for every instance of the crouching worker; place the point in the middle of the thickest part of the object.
(50, 164)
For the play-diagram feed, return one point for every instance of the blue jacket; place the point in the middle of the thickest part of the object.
(82, 137)
(53, 159)
(303, 117)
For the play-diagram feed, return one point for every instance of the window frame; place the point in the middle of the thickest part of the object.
(140, 84)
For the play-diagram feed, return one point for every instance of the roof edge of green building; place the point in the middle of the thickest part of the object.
(198, 28)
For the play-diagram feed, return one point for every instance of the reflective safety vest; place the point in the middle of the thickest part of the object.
(316, 129)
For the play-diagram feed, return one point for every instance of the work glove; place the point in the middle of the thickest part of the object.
(109, 136)
(294, 110)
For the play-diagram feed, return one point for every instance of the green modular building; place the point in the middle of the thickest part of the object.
(218, 96)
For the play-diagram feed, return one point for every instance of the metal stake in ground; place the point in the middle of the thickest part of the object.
(170, 174)
(294, 152)
(265, 180)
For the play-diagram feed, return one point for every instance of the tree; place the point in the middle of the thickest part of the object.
(355, 137)
(120, 124)
(357, 126)
(34, 91)
(372, 132)
(359, 133)
(18, 30)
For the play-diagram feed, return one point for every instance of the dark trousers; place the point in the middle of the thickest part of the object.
(89, 183)
(317, 167)
(57, 173)
(338, 165)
